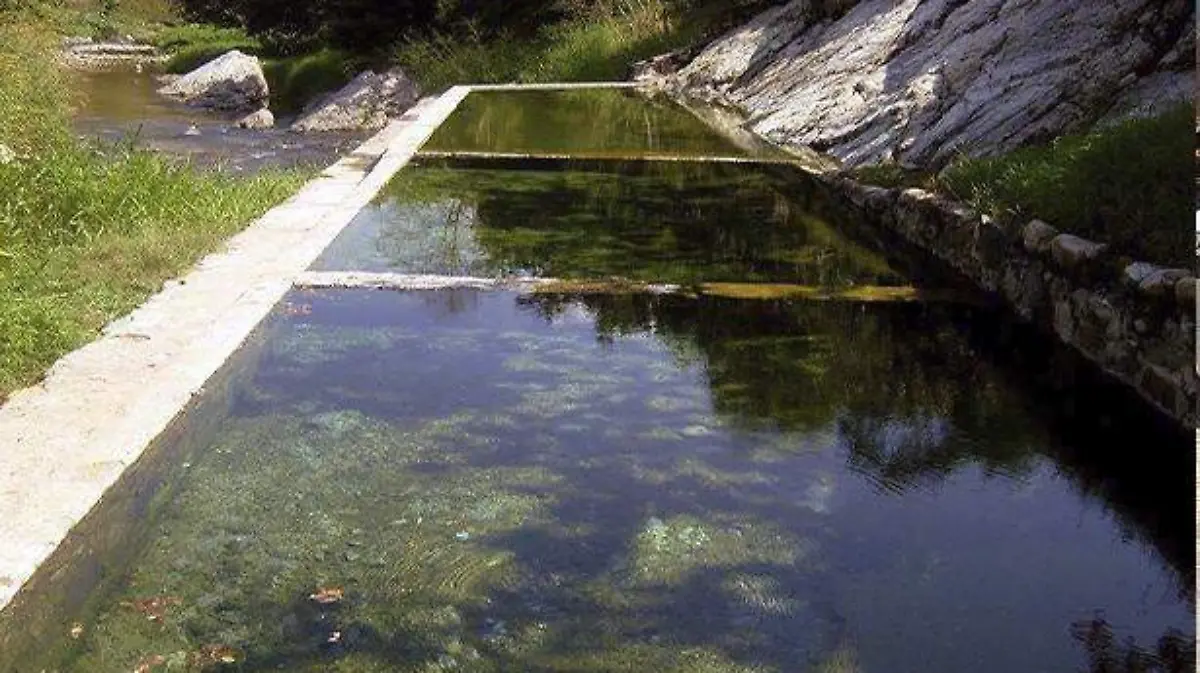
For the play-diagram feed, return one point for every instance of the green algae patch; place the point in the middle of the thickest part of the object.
(667, 551)
(775, 291)
(641, 658)
(284, 507)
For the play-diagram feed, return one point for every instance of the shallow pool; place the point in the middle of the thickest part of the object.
(781, 464)
(483, 481)
(590, 122)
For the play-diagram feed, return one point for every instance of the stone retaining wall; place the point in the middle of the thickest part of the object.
(1135, 320)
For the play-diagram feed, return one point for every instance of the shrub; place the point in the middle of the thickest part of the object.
(295, 82)
(1129, 185)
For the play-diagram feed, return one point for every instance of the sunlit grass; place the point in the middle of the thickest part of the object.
(87, 235)
(597, 45)
(1130, 185)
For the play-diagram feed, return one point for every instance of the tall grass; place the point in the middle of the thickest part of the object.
(1130, 185)
(298, 80)
(87, 235)
(294, 81)
(598, 42)
(193, 45)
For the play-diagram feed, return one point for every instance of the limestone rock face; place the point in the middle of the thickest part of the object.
(366, 103)
(919, 81)
(233, 81)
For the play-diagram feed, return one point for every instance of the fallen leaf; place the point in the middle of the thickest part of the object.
(215, 654)
(155, 608)
(327, 595)
(148, 663)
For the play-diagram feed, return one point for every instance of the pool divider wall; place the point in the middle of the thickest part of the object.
(71, 445)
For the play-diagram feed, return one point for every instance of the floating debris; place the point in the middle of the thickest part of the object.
(148, 663)
(215, 654)
(155, 608)
(327, 595)
(290, 309)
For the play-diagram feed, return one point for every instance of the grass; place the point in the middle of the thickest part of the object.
(597, 45)
(298, 80)
(85, 235)
(1128, 185)
(294, 80)
(193, 45)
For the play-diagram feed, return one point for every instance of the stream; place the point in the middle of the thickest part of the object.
(120, 104)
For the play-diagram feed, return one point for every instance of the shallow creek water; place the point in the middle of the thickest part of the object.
(622, 481)
(120, 105)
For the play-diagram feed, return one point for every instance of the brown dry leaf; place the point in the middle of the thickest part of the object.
(155, 608)
(215, 654)
(327, 595)
(148, 663)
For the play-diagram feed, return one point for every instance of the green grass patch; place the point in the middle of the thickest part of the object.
(193, 45)
(597, 45)
(1129, 185)
(85, 235)
(894, 176)
(294, 80)
(298, 80)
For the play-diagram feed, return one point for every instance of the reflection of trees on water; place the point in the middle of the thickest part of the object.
(918, 392)
(1173, 653)
(677, 223)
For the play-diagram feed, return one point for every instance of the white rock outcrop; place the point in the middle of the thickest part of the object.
(233, 81)
(366, 103)
(919, 81)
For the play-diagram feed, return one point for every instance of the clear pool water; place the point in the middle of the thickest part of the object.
(623, 481)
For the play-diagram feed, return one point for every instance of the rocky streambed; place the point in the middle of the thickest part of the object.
(218, 117)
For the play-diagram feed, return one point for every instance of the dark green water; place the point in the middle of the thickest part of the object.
(655, 221)
(596, 122)
(505, 482)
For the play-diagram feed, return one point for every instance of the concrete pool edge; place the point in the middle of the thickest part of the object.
(71, 438)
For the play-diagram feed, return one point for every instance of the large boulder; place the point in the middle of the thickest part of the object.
(234, 81)
(366, 103)
(920, 81)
